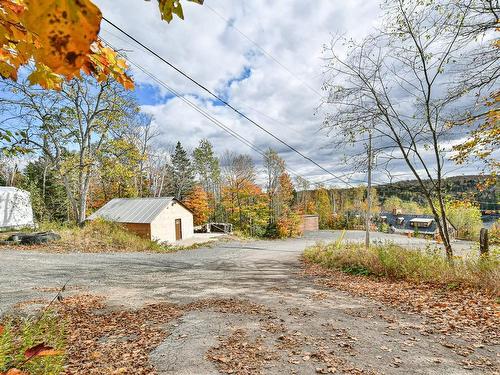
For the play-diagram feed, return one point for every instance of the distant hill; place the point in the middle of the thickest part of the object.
(458, 187)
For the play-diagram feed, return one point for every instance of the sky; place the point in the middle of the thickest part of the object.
(264, 57)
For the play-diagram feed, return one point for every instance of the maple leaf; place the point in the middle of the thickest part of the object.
(41, 350)
(45, 77)
(66, 29)
(170, 7)
(14, 371)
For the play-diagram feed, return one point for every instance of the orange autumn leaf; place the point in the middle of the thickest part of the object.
(61, 37)
(66, 29)
(45, 77)
(197, 201)
(2, 329)
(14, 371)
(41, 350)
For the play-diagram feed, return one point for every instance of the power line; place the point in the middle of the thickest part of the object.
(264, 51)
(204, 88)
(204, 113)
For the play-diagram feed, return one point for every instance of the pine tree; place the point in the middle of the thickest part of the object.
(182, 171)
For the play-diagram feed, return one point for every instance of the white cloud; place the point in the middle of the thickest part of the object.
(214, 53)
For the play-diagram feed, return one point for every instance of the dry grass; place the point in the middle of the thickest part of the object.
(95, 236)
(396, 263)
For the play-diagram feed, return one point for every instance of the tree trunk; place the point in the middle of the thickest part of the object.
(369, 193)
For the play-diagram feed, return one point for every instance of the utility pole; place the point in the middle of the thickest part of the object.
(369, 191)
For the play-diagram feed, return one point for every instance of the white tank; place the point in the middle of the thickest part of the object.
(15, 208)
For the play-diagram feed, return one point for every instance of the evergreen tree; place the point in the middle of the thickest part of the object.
(182, 178)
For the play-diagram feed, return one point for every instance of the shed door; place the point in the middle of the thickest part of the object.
(178, 229)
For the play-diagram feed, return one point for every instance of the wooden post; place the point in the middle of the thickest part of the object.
(483, 242)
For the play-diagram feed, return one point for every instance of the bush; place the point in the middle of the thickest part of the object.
(289, 225)
(494, 233)
(383, 227)
(466, 218)
(394, 262)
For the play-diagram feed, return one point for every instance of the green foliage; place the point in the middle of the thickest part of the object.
(494, 233)
(406, 207)
(20, 334)
(457, 187)
(48, 196)
(383, 227)
(118, 167)
(207, 167)
(323, 208)
(394, 262)
(466, 218)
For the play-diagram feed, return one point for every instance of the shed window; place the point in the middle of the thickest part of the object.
(400, 220)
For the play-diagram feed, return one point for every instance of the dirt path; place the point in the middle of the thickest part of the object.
(298, 327)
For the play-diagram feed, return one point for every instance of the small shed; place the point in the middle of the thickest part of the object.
(310, 223)
(162, 219)
(15, 209)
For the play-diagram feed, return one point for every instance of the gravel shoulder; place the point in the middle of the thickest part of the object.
(307, 327)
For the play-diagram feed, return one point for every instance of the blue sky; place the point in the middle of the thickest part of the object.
(265, 58)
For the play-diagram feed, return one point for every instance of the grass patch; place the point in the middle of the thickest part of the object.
(95, 236)
(20, 334)
(394, 262)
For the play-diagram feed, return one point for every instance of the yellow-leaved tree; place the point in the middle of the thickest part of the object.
(61, 38)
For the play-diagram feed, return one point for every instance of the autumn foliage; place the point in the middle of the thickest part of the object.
(197, 202)
(246, 205)
(61, 37)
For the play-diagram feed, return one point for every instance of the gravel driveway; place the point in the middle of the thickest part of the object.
(264, 272)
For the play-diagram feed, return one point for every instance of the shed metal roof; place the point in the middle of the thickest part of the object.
(132, 210)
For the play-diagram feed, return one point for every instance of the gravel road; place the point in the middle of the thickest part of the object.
(265, 272)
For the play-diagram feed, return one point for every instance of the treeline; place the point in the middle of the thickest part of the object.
(217, 188)
(475, 188)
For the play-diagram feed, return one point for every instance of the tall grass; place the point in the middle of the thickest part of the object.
(99, 235)
(394, 262)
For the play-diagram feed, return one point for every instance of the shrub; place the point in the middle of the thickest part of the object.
(494, 233)
(466, 218)
(289, 225)
(394, 262)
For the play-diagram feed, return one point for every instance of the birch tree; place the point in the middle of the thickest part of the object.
(395, 85)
